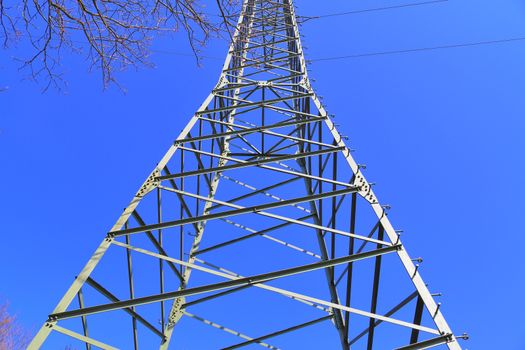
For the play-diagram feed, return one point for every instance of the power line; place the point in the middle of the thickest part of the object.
(488, 42)
(373, 9)
(379, 53)
(304, 19)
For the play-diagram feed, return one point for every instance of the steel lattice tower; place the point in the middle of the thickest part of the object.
(256, 228)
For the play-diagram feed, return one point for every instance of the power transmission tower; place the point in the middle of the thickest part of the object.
(256, 228)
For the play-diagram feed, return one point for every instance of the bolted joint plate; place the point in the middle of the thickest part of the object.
(151, 182)
(177, 311)
(365, 188)
(264, 83)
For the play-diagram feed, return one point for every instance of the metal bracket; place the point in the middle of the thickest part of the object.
(151, 182)
(178, 312)
(365, 188)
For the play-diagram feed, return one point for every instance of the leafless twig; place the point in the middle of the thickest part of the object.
(12, 335)
(112, 34)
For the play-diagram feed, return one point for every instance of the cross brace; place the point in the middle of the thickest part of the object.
(217, 286)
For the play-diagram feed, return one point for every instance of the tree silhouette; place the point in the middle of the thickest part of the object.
(111, 34)
(12, 335)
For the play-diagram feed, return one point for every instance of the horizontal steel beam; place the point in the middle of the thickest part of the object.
(245, 164)
(287, 57)
(255, 103)
(257, 46)
(221, 285)
(308, 300)
(232, 86)
(287, 219)
(247, 130)
(267, 167)
(269, 132)
(242, 210)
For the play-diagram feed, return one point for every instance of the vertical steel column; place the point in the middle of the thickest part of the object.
(161, 262)
(181, 215)
(131, 290)
(375, 291)
(414, 336)
(83, 318)
(349, 272)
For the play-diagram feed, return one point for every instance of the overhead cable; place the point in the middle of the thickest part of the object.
(378, 53)
(307, 18)
(429, 48)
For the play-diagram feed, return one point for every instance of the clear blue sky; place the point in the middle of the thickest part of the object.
(442, 133)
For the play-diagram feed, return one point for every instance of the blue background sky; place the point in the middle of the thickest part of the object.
(442, 133)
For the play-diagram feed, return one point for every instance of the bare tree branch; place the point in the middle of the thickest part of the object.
(112, 34)
(12, 336)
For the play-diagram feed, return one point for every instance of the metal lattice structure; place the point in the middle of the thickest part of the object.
(256, 228)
